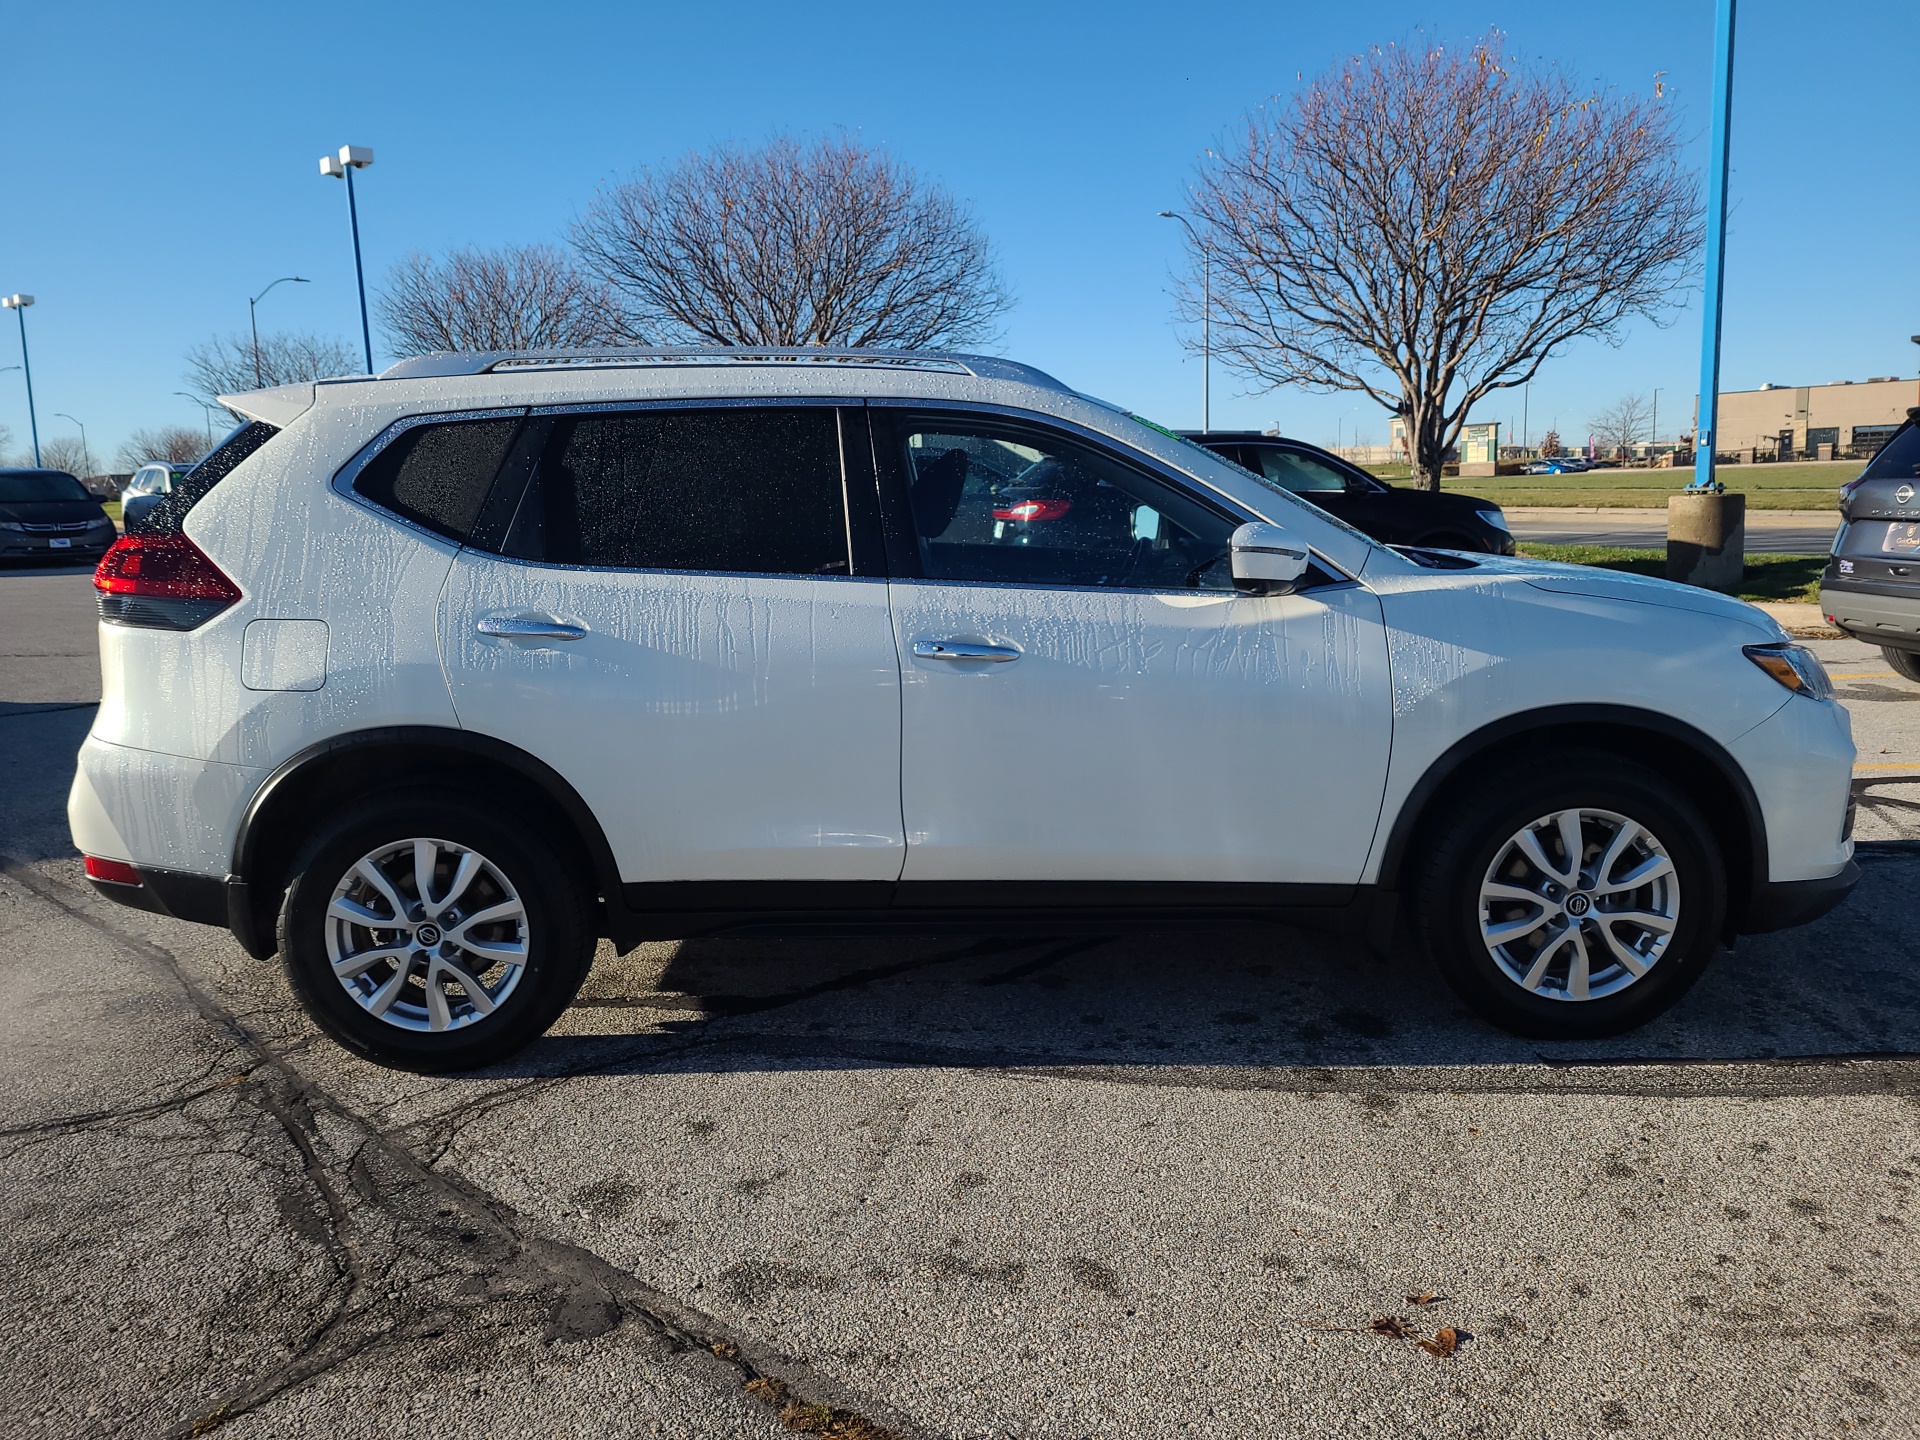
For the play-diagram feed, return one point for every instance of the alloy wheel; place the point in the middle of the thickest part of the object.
(1579, 904)
(427, 935)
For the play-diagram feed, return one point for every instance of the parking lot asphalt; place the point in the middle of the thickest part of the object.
(1769, 532)
(1104, 1185)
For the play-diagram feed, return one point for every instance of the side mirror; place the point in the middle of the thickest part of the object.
(1266, 559)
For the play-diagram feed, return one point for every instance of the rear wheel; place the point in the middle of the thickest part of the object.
(1903, 662)
(429, 934)
(1574, 896)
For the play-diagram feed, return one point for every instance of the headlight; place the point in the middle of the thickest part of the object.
(1794, 666)
(10, 525)
(1493, 518)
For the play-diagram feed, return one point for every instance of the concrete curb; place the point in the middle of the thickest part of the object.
(1800, 620)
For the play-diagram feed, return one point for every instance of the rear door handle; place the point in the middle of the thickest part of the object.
(964, 650)
(529, 627)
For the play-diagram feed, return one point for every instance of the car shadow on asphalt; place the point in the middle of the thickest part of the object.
(1240, 1000)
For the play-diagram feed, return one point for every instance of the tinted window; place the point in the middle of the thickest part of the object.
(1018, 504)
(1293, 472)
(743, 490)
(25, 487)
(171, 512)
(1901, 456)
(438, 475)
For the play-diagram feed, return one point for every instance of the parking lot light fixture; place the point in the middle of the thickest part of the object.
(206, 413)
(1206, 319)
(254, 325)
(341, 167)
(18, 304)
(86, 455)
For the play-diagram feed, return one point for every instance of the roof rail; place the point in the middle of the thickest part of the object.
(449, 363)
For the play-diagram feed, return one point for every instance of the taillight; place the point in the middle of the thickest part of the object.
(1030, 510)
(114, 872)
(160, 581)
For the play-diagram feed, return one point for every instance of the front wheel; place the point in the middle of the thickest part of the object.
(427, 934)
(1574, 896)
(1903, 662)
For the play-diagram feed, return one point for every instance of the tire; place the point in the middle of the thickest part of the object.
(1903, 662)
(479, 1007)
(1688, 893)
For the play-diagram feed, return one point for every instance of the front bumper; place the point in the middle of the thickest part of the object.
(1782, 904)
(1880, 614)
(15, 546)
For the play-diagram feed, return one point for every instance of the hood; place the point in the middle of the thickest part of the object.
(50, 512)
(1619, 585)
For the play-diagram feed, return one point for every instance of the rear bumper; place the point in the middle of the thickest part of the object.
(1783, 904)
(1880, 615)
(199, 898)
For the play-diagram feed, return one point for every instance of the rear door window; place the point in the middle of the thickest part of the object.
(754, 490)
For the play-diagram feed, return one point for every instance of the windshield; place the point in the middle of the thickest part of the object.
(1274, 485)
(23, 488)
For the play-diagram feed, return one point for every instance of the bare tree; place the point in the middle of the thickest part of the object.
(828, 243)
(225, 364)
(526, 297)
(1623, 424)
(1428, 226)
(68, 453)
(180, 444)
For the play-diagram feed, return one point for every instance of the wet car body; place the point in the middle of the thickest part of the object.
(48, 515)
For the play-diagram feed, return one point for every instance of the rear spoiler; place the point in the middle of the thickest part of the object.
(278, 407)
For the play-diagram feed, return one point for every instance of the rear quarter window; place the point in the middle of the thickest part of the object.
(438, 474)
(1899, 457)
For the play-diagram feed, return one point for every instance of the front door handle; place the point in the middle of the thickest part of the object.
(964, 650)
(529, 627)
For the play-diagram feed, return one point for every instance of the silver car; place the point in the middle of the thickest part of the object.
(150, 484)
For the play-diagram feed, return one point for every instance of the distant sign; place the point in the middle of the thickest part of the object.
(1480, 444)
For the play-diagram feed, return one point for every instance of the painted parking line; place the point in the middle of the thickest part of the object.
(1866, 675)
(1914, 768)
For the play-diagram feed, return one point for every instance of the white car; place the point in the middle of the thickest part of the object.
(429, 680)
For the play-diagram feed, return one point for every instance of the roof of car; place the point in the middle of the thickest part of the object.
(1205, 436)
(38, 470)
(279, 405)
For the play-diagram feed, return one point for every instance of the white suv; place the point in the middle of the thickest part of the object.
(426, 681)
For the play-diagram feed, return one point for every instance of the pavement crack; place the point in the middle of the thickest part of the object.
(427, 1256)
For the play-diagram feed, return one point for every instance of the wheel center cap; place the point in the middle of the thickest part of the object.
(1577, 905)
(428, 934)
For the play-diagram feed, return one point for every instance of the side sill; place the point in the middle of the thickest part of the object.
(685, 909)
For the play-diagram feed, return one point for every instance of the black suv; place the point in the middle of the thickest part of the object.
(1871, 587)
(1389, 514)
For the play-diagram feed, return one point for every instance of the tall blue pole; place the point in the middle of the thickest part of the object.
(1707, 432)
(360, 275)
(26, 368)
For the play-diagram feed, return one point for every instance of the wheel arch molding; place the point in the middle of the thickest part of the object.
(1698, 765)
(265, 842)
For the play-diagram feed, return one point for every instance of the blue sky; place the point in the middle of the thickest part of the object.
(159, 164)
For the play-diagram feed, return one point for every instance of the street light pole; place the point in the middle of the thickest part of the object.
(342, 166)
(206, 413)
(1706, 433)
(86, 454)
(18, 304)
(254, 324)
(1654, 440)
(1206, 319)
